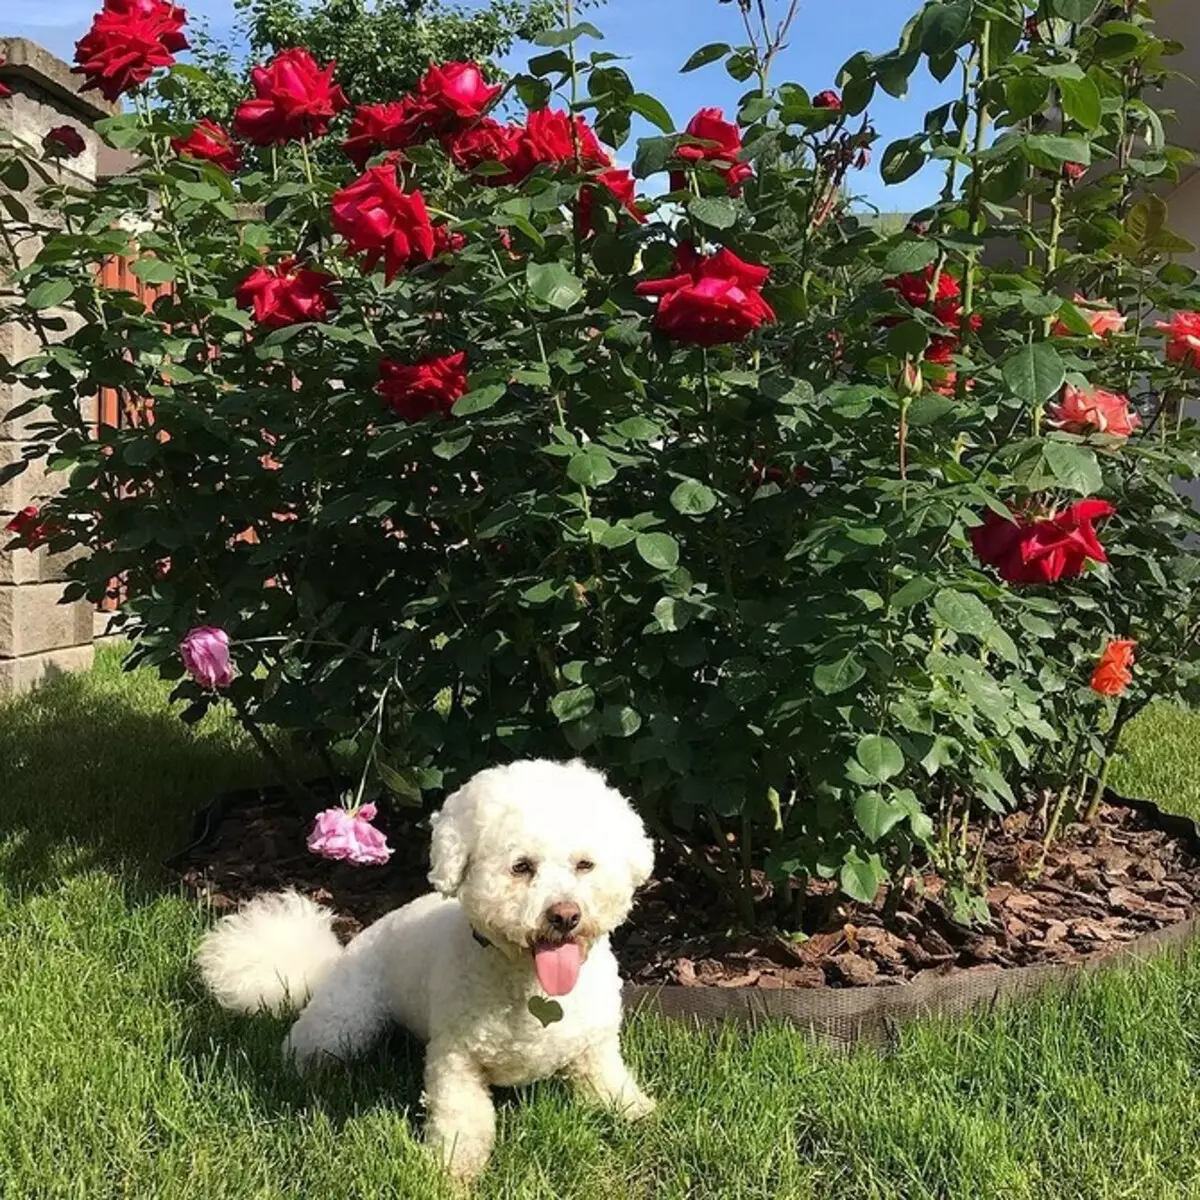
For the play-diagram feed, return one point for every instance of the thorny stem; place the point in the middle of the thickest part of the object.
(982, 121)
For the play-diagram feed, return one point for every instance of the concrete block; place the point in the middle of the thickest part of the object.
(32, 486)
(34, 566)
(33, 620)
(19, 675)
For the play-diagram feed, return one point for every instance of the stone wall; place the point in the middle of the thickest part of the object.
(39, 636)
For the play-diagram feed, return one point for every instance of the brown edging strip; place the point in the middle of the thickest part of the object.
(845, 1016)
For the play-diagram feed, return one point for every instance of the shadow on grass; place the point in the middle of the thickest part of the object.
(97, 771)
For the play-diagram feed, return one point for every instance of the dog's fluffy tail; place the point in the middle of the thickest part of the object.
(270, 954)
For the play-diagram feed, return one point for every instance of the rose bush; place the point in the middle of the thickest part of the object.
(818, 538)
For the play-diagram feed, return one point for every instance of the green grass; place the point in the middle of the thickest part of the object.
(118, 1078)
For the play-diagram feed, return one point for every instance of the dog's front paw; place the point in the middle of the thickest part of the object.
(636, 1107)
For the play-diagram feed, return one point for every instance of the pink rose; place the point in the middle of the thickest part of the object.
(205, 654)
(1101, 317)
(346, 834)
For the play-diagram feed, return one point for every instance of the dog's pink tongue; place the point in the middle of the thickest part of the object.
(557, 967)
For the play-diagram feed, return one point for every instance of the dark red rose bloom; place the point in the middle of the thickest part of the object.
(455, 94)
(128, 40)
(64, 141)
(285, 294)
(620, 184)
(1031, 549)
(482, 142)
(946, 303)
(379, 219)
(5, 90)
(30, 529)
(1114, 671)
(423, 388)
(378, 127)
(709, 125)
(547, 138)
(209, 142)
(828, 99)
(446, 241)
(712, 300)
(294, 98)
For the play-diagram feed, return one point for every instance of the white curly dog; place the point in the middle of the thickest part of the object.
(534, 863)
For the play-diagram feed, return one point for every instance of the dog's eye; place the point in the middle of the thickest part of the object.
(524, 867)
(584, 865)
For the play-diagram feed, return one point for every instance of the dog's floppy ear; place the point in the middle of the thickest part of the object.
(641, 852)
(452, 839)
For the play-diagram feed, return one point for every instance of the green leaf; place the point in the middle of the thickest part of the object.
(719, 212)
(833, 677)
(652, 109)
(564, 37)
(910, 256)
(652, 156)
(1034, 373)
(943, 27)
(1074, 466)
(591, 468)
(908, 338)
(902, 160)
(553, 284)
(1075, 11)
(876, 816)
(963, 612)
(572, 704)
(1081, 101)
(479, 400)
(913, 592)
(620, 721)
(1049, 151)
(153, 270)
(402, 784)
(659, 550)
(861, 878)
(50, 293)
(693, 498)
(879, 756)
(705, 55)
(1026, 95)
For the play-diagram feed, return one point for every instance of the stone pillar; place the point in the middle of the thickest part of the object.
(39, 635)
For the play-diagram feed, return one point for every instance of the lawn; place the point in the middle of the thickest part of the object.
(118, 1078)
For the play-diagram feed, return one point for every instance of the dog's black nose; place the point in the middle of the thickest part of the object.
(563, 917)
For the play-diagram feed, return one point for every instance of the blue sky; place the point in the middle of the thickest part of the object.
(657, 36)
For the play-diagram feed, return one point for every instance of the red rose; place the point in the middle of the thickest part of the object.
(295, 98)
(1073, 172)
(5, 90)
(127, 41)
(547, 138)
(945, 303)
(620, 185)
(1042, 549)
(379, 219)
(483, 142)
(64, 141)
(828, 99)
(1113, 673)
(455, 93)
(30, 529)
(711, 300)
(285, 294)
(709, 125)
(445, 241)
(209, 142)
(1183, 338)
(378, 127)
(423, 388)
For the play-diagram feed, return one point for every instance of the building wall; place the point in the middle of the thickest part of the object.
(39, 635)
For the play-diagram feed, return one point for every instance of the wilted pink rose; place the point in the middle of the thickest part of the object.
(205, 654)
(346, 834)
